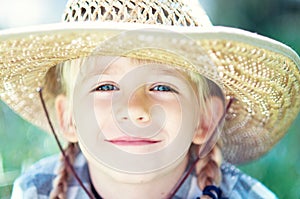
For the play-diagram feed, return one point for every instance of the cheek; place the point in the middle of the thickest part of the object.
(180, 117)
(173, 113)
(103, 112)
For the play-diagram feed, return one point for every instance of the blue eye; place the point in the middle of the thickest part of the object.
(106, 87)
(163, 88)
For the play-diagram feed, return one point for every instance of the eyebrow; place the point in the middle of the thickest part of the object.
(97, 68)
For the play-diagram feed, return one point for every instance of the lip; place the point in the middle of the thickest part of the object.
(132, 141)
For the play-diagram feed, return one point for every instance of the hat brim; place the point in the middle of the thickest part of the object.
(260, 73)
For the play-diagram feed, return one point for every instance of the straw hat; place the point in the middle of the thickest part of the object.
(260, 73)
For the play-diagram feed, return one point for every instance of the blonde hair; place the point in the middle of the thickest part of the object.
(60, 183)
(207, 169)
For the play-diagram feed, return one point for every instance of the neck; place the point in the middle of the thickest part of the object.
(158, 185)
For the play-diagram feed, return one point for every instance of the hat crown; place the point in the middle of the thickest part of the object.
(166, 12)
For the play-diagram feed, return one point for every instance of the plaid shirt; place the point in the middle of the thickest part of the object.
(37, 182)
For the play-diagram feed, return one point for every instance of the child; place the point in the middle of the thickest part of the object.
(143, 106)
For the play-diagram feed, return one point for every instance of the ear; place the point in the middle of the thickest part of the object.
(65, 119)
(210, 121)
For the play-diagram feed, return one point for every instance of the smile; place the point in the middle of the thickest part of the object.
(130, 141)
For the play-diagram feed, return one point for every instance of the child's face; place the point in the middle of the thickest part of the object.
(127, 112)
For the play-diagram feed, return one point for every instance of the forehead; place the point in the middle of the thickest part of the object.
(109, 65)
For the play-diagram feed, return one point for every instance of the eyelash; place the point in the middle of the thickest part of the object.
(106, 88)
(156, 88)
(163, 88)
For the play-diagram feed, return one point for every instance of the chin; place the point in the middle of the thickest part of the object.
(132, 178)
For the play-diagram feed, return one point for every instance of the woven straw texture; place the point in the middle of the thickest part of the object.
(264, 81)
(167, 12)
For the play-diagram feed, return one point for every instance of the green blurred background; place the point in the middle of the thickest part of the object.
(21, 144)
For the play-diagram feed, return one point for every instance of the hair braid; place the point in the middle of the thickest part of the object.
(60, 183)
(208, 168)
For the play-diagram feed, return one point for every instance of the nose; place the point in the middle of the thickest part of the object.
(137, 108)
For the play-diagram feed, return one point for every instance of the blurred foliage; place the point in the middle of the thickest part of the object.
(279, 170)
(21, 144)
(278, 19)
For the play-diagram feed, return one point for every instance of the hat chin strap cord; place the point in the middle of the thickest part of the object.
(39, 90)
(211, 190)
